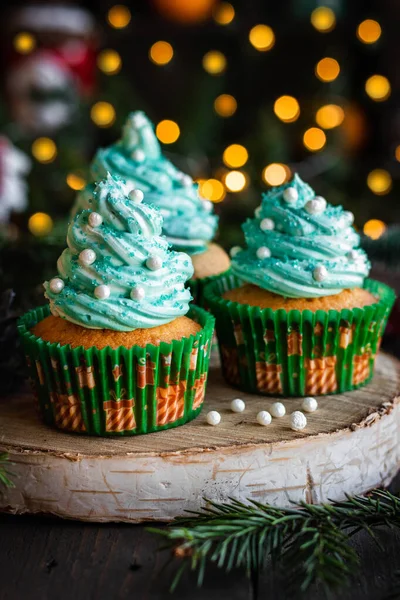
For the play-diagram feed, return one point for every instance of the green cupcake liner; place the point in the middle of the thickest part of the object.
(297, 353)
(197, 286)
(118, 391)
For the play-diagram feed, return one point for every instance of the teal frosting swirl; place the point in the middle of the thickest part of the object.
(189, 223)
(297, 254)
(129, 234)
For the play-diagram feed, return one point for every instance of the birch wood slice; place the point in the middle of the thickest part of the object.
(351, 445)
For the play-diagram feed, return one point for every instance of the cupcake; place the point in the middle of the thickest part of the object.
(297, 315)
(189, 223)
(118, 351)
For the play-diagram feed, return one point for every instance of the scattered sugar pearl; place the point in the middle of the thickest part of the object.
(257, 212)
(267, 225)
(207, 205)
(137, 293)
(186, 180)
(316, 206)
(102, 292)
(237, 405)
(87, 257)
(277, 410)
(352, 255)
(264, 418)
(298, 420)
(234, 251)
(138, 155)
(213, 417)
(263, 252)
(136, 196)
(309, 404)
(138, 119)
(154, 263)
(320, 273)
(95, 219)
(56, 285)
(349, 216)
(290, 195)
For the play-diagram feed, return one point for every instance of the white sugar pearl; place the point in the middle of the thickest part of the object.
(207, 205)
(316, 206)
(309, 404)
(237, 405)
(257, 212)
(277, 410)
(320, 273)
(138, 155)
(264, 418)
(213, 417)
(234, 251)
(56, 285)
(353, 255)
(298, 420)
(87, 257)
(186, 180)
(154, 263)
(136, 196)
(267, 225)
(95, 220)
(349, 215)
(137, 293)
(263, 252)
(102, 292)
(290, 195)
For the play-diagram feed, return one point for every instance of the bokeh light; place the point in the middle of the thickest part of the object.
(103, 114)
(369, 31)
(212, 189)
(109, 61)
(314, 139)
(262, 37)
(235, 155)
(397, 153)
(44, 150)
(327, 69)
(329, 116)
(276, 174)
(224, 13)
(24, 43)
(323, 19)
(379, 181)
(214, 62)
(119, 16)
(167, 131)
(235, 181)
(374, 228)
(287, 109)
(225, 105)
(378, 88)
(75, 182)
(161, 53)
(40, 224)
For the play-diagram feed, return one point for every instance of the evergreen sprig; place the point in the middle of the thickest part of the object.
(5, 480)
(308, 543)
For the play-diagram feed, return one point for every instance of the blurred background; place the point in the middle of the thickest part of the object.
(242, 94)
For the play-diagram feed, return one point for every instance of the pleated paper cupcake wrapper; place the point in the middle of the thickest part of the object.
(122, 391)
(297, 353)
(197, 287)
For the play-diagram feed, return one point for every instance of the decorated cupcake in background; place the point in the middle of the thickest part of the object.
(296, 315)
(189, 222)
(117, 354)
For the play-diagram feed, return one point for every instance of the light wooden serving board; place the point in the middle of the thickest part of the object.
(351, 445)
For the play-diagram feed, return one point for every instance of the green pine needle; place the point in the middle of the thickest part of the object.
(308, 543)
(5, 480)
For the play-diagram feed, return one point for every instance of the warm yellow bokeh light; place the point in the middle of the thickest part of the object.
(378, 88)
(369, 31)
(262, 37)
(161, 53)
(167, 131)
(314, 139)
(214, 62)
(24, 43)
(323, 19)
(287, 109)
(374, 228)
(224, 13)
(44, 150)
(119, 16)
(40, 224)
(235, 181)
(327, 69)
(109, 61)
(379, 181)
(235, 155)
(225, 105)
(103, 114)
(75, 182)
(212, 189)
(276, 174)
(397, 153)
(329, 116)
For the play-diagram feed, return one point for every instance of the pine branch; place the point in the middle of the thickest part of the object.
(308, 543)
(5, 480)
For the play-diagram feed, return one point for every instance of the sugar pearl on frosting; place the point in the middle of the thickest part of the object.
(264, 418)
(87, 257)
(290, 195)
(316, 206)
(102, 292)
(138, 119)
(213, 417)
(95, 219)
(267, 225)
(154, 263)
(137, 293)
(237, 405)
(309, 404)
(207, 205)
(350, 216)
(320, 273)
(186, 180)
(235, 250)
(56, 285)
(138, 155)
(136, 196)
(277, 410)
(263, 252)
(298, 420)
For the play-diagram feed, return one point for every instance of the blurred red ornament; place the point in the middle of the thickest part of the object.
(186, 12)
